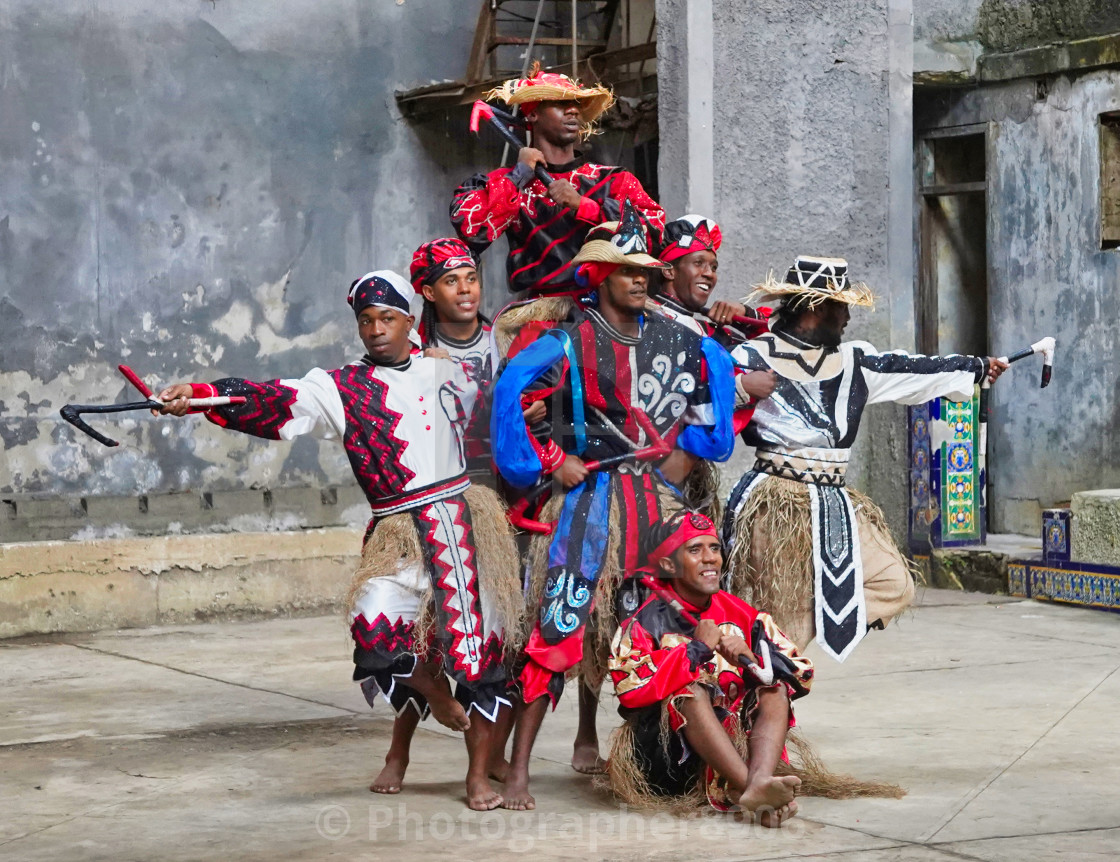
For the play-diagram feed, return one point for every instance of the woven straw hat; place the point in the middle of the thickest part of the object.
(622, 242)
(817, 279)
(554, 87)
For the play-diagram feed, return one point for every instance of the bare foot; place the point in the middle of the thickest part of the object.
(481, 796)
(586, 759)
(498, 769)
(773, 818)
(773, 792)
(391, 777)
(449, 712)
(516, 796)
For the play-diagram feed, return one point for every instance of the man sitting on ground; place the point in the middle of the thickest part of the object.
(696, 669)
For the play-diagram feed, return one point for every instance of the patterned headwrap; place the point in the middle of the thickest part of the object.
(670, 535)
(438, 256)
(383, 289)
(688, 234)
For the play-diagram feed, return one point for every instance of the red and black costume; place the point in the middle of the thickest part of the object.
(543, 235)
(402, 427)
(600, 386)
(655, 662)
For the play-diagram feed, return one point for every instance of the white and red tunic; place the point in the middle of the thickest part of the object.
(474, 355)
(403, 428)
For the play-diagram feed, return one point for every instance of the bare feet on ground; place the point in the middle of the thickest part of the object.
(772, 818)
(586, 759)
(481, 796)
(391, 777)
(498, 769)
(772, 797)
(516, 796)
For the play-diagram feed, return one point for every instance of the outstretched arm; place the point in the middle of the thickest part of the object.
(914, 379)
(274, 410)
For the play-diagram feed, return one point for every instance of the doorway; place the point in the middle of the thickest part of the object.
(948, 458)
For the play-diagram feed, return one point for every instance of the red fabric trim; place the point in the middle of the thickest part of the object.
(560, 657)
(630, 529)
(589, 211)
(741, 418)
(534, 681)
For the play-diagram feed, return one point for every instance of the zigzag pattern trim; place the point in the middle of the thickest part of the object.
(370, 439)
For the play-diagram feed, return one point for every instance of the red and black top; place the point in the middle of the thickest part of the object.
(544, 236)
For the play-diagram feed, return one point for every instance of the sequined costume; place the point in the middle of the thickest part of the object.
(543, 235)
(599, 385)
(850, 574)
(402, 427)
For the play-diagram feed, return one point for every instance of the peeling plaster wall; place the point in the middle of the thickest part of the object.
(1047, 276)
(812, 154)
(189, 188)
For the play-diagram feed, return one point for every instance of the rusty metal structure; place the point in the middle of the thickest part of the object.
(594, 40)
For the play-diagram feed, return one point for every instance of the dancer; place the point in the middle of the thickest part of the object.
(546, 226)
(690, 247)
(704, 682)
(445, 273)
(438, 587)
(816, 555)
(621, 386)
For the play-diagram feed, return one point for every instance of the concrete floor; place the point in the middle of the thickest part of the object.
(247, 741)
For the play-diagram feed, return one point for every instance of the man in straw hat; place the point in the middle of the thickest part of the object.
(638, 398)
(546, 226)
(818, 556)
(438, 587)
(697, 671)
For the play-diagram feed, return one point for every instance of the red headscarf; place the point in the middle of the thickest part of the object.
(677, 531)
(438, 256)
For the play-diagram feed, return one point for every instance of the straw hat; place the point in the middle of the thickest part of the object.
(816, 279)
(622, 242)
(554, 87)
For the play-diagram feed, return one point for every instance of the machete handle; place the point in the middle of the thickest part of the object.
(482, 111)
(133, 378)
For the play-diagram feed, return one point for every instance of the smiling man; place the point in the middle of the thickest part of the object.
(429, 602)
(690, 248)
(644, 398)
(694, 669)
(445, 272)
(817, 556)
(547, 225)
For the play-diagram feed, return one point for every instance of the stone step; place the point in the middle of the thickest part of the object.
(981, 568)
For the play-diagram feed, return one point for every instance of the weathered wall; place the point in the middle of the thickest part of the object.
(189, 188)
(1047, 275)
(812, 154)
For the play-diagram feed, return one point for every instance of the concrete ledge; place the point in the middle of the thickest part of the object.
(122, 583)
(1078, 55)
(981, 568)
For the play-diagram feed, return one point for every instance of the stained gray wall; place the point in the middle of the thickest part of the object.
(189, 188)
(811, 154)
(1047, 276)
